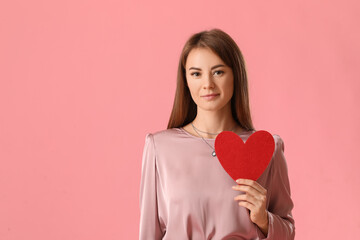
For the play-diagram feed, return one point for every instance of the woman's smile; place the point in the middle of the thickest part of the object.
(210, 97)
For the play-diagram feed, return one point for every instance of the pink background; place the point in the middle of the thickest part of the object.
(82, 82)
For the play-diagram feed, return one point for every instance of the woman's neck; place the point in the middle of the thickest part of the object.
(214, 121)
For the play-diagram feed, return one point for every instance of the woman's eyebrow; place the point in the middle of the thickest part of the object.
(216, 66)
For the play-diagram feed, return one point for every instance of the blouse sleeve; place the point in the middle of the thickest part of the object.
(149, 221)
(281, 221)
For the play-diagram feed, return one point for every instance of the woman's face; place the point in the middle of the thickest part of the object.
(207, 74)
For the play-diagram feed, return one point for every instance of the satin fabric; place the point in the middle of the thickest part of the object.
(186, 194)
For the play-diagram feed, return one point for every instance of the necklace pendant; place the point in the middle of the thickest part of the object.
(213, 154)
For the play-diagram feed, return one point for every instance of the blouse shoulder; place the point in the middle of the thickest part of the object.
(279, 143)
(163, 134)
(279, 160)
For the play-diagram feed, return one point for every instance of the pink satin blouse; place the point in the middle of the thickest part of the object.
(186, 194)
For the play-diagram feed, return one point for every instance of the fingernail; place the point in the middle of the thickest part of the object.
(238, 180)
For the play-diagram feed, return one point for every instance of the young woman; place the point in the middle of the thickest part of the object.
(184, 191)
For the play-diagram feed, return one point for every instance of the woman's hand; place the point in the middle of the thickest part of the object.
(254, 199)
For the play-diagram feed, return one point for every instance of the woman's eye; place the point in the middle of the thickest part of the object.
(196, 74)
(219, 72)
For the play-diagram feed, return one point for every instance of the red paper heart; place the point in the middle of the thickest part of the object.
(244, 160)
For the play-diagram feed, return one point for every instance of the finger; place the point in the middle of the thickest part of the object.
(252, 183)
(249, 198)
(251, 191)
(247, 189)
(247, 205)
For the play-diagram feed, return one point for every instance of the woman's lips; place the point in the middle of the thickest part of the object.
(210, 97)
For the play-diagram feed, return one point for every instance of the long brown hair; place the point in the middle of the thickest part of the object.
(184, 108)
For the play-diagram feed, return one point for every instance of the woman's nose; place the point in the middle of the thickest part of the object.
(208, 81)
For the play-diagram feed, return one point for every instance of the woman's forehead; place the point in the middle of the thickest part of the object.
(203, 57)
